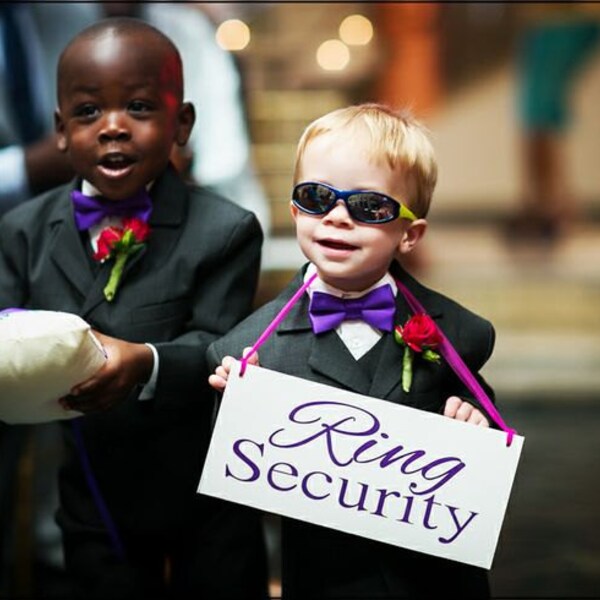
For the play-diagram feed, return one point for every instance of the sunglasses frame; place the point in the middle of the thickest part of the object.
(402, 212)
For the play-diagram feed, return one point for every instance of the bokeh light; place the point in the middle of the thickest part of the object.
(356, 30)
(233, 35)
(333, 55)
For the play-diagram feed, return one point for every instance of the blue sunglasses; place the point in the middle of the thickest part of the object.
(364, 206)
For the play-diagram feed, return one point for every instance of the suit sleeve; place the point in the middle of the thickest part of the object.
(213, 358)
(223, 296)
(243, 335)
(476, 344)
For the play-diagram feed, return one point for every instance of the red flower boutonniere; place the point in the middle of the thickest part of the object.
(419, 335)
(120, 243)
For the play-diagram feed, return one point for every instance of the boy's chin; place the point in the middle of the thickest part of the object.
(116, 191)
(348, 283)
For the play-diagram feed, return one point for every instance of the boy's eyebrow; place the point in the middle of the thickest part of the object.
(92, 89)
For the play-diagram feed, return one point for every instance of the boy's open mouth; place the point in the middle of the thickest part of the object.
(337, 245)
(115, 161)
(115, 166)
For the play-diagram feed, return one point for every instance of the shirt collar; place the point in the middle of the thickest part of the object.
(89, 190)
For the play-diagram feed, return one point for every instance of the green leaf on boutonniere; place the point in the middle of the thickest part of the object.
(418, 336)
(407, 360)
(120, 243)
(431, 356)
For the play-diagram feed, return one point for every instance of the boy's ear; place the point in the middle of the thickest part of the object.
(186, 117)
(412, 235)
(59, 127)
(293, 211)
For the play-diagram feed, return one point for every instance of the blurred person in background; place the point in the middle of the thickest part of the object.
(556, 41)
(31, 38)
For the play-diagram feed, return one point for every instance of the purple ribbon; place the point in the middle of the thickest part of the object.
(105, 515)
(377, 308)
(448, 351)
(7, 311)
(90, 210)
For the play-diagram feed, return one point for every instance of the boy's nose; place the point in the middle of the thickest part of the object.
(114, 128)
(338, 214)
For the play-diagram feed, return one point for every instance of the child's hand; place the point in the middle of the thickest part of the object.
(463, 411)
(126, 366)
(218, 380)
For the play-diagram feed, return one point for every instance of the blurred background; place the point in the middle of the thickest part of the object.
(510, 93)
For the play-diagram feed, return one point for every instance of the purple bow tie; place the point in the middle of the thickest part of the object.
(377, 308)
(90, 210)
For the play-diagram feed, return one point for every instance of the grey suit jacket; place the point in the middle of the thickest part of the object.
(193, 282)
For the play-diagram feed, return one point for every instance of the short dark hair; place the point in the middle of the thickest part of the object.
(123, 26)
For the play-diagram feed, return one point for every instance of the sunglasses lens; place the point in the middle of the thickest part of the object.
(369, 207)
(314, 198)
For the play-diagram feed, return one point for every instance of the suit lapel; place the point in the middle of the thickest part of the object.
(388, 374)
(69, 254)
(170, 199)
(67, 251)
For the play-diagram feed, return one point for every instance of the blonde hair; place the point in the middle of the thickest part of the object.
(396, 137)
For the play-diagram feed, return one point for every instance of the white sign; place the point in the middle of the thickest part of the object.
(365, 466)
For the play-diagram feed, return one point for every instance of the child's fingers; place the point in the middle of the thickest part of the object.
(469, 414)
(88, 386)
(458, 409)
(253, 360)
(477, 418)
(217, 382)
(226, 364)
(87, 404)
(222, 372)
(452, 405)
(464, 412)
